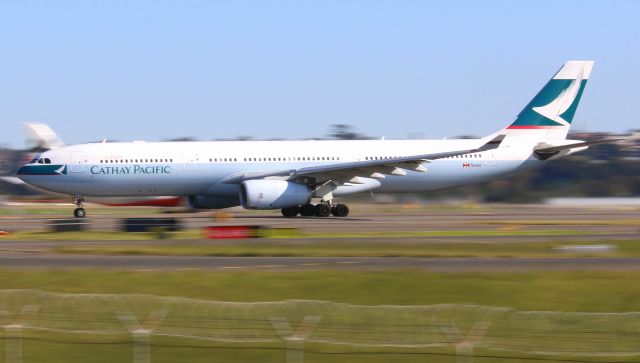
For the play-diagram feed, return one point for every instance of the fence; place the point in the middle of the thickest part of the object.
(143, 328)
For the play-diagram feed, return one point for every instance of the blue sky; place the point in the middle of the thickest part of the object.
(152, 70)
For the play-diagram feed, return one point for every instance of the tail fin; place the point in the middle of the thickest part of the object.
(550, 112)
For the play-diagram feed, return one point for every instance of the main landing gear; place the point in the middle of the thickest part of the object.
(318, 210)
(79, 212)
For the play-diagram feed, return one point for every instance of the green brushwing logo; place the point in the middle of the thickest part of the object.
(554, 105)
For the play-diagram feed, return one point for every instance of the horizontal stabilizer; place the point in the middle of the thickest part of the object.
(576, 145)
(545, 153)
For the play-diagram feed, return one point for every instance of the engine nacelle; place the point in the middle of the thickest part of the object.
(204, 202)
(273, 194)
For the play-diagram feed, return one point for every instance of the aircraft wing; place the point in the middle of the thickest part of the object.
(350, 171)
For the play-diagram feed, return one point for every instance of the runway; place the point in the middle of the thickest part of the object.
(366, 217)
(172, 263)
(518, 223)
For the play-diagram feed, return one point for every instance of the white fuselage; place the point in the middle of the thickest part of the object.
(197, 168)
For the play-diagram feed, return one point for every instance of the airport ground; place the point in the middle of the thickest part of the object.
(421, 254)
(529, 258)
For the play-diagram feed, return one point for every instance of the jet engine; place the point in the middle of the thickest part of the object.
(273, 194)
(204, 202)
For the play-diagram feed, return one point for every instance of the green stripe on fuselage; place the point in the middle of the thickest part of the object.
(42, 169)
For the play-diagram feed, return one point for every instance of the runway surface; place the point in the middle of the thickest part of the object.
(581, 224)
(168, 263)
(369, 218)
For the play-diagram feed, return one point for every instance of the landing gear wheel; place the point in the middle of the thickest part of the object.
(79, 213)
(290, 212)
(340, 210)
(308, 210)
(322, 210)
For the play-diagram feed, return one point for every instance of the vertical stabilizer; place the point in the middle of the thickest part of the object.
(551, 111)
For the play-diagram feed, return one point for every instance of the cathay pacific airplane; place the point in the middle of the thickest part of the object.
(43, 138)
(305, 177)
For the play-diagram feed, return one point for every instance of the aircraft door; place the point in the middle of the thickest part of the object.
(490, 158)
(78, 159)
(191, 161)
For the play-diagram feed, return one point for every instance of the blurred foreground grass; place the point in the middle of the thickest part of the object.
(610, 291)
(52, 349)
(533, 291)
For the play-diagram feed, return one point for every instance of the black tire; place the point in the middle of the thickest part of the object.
(323, 210)
(290, 212)
(340, 210)
(308, 210)
(80, 213)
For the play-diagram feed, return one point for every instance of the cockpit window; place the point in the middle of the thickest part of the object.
(41, 161)
(47, 161)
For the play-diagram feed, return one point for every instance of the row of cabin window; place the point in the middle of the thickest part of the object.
(476, 156)
(125, 161)
(299, 158)
(379, 157)
(467, 156)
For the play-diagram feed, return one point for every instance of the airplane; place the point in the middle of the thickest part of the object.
(290, 175)
(41, 137)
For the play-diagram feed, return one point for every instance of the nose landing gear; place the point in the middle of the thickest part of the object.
(79, 212)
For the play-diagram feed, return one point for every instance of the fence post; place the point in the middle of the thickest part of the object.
(464, 344)
(141, 333)
(13, 332)
(294, 341)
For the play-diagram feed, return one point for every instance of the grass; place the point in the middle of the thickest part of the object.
(623, 248)
(611, 291)
(545, 291)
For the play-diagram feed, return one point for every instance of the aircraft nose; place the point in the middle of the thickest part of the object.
(21, 171)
